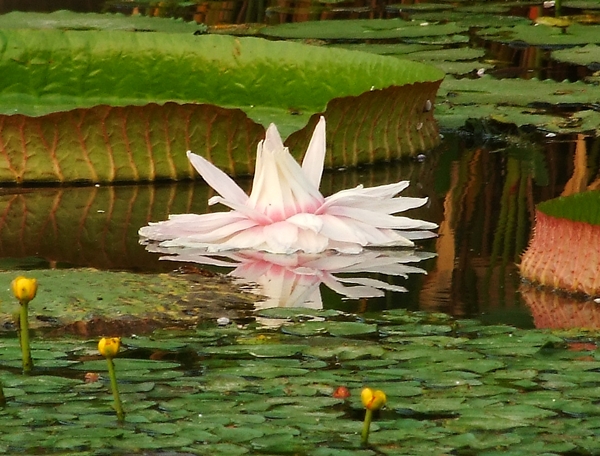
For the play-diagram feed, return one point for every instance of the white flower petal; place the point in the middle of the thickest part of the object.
(180, 225)
(222, 233)
(244, 210)
(217, 179)
(252, 238)
(380, 220)
(307, 221)
(313, 161)
(373, 283)
(416, 235)
(281, 237)
(280, 188)
(354, 292)
(351, 195)
(273, 139)
(384, 191)
(311, 242)
(387, 206)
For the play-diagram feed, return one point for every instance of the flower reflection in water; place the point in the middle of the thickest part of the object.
(294, 280)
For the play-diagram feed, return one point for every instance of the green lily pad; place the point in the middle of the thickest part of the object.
(476, 19)
(419, 7)
(516, 92)
(481, 442)
(270, 350)
(68, 20)
(365, 29)
(340, 329)
(138, 366)
(439, 405)
(225, 449)
(587, 55)
(348, 350)
(134, 81)
(448, 55)
(296, 313)
(280, 443)
(237, 434)
(397, 49)
(582, 4)
(542, 35)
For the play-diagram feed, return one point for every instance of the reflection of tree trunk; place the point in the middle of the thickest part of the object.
(438, 284)
(578, 181)
(594, 156)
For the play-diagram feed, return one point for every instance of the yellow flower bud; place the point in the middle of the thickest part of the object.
(24, 289)
(373, 400)
(109, 346)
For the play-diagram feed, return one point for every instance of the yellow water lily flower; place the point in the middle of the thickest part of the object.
(373, 399)
(109, 346)
(24, 289)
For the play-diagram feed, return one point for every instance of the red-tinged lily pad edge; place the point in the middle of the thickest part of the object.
(564, 251)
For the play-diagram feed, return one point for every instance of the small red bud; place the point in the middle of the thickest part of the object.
(341, 392)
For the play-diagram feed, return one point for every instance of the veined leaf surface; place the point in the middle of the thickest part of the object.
(49, 72)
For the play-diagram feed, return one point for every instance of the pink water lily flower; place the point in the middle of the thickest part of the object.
(286, 212)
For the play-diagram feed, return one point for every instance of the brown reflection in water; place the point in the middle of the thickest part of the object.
(554, 311)
(89, 226)
(489, 207)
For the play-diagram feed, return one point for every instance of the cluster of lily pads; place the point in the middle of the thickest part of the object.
(452, 386)
(458, 40)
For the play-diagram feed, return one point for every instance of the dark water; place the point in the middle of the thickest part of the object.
(482, 196)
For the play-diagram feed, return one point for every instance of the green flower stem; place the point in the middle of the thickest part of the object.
(366, 427)
(115, 390)
(2, 396)
(24, 337)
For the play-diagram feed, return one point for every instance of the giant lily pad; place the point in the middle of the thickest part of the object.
(67, 20)
(562, 251)
(56, 85)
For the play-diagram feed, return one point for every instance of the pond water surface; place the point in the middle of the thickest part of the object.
(483, 198)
